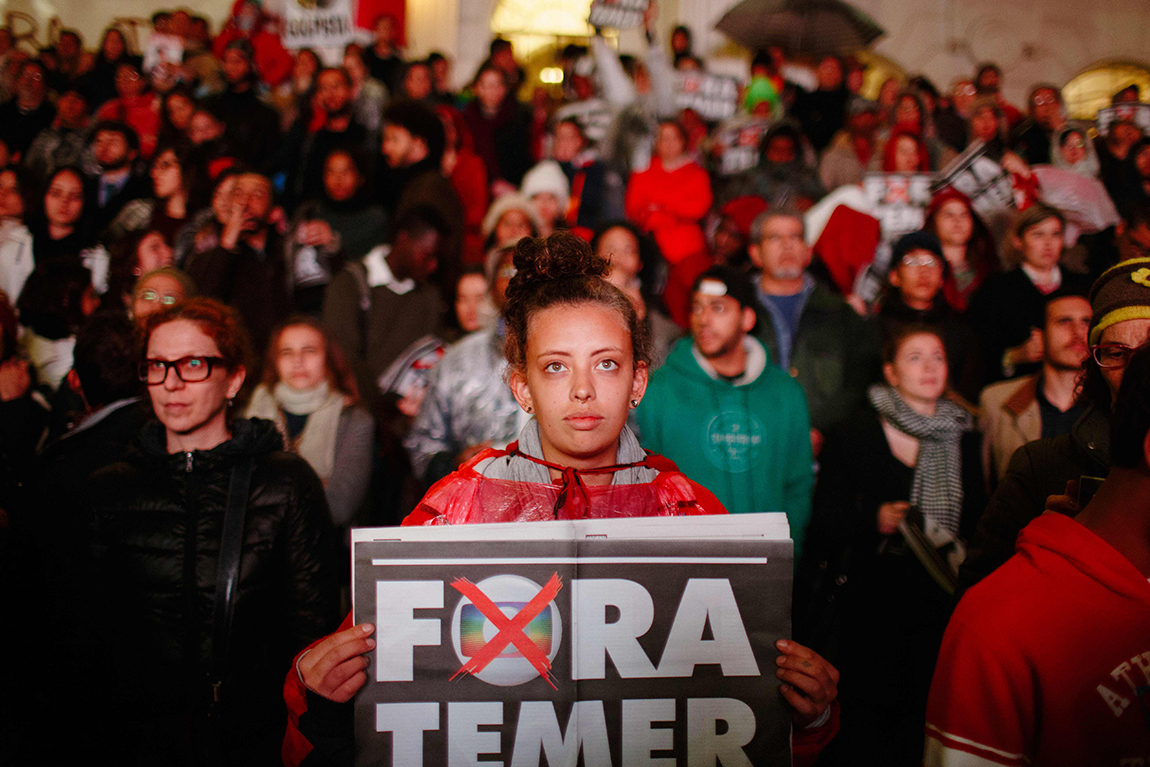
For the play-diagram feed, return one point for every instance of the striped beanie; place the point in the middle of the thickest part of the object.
(1121, 293)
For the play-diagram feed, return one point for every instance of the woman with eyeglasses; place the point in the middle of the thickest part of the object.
(135, 104)
(1060, 474)
(211, 560)
(157, 290)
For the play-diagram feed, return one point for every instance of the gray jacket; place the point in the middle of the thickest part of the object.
(467, 402)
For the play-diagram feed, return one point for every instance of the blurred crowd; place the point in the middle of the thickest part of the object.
(939, 356)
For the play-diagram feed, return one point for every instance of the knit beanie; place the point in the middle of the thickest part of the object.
(1121, 293)
(504, 203)
(547, 176)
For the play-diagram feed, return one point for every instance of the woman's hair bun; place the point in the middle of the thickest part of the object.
(562, 269)
(561, 256)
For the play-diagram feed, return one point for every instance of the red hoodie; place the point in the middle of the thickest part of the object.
(1047, 661)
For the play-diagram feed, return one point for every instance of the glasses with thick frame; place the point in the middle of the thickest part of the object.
(154, 372)
(1111, 356)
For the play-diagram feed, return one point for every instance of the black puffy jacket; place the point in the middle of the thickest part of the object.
(157, 522)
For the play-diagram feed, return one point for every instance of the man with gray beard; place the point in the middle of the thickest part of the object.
(808, 330)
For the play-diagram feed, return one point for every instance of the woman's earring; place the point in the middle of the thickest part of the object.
(529, 410)
(634, 404)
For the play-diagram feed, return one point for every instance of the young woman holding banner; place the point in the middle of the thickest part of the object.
(577, 357)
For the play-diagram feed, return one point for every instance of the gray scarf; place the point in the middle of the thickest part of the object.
(937, 487)
(520, 469)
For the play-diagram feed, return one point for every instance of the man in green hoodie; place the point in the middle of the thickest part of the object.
(731, 421)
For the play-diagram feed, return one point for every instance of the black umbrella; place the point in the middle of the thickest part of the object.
(811, 27)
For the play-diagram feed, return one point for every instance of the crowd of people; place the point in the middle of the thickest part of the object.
(250, 300)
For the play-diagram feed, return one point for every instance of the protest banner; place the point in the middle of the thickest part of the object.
(647, 641)
(1139, 114)
(317, 23)
(712, 97)
(988, 185)
(408, 375)
(617, 14)
(736, 144)
(898, 201)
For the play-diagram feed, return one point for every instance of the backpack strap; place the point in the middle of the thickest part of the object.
(228, 572)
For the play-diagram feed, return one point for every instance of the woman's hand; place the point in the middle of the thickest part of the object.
(315, 233)
(810, 683)
(891, 515)
(1015, 164)
(1065, 504)
(334, 668)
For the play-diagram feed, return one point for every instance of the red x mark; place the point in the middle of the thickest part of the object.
(510, 629)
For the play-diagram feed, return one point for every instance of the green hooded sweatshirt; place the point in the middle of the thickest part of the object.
(747, 441)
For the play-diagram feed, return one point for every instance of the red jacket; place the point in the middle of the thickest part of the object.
(670, 206)
(141, 114)
(1047, 661)
(272, 61)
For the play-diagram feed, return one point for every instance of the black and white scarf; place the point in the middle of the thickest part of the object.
(937, 487)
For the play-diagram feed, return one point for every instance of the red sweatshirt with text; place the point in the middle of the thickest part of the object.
(1047, 661)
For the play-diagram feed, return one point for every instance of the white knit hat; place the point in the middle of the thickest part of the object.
(547, 176)
(504, 203)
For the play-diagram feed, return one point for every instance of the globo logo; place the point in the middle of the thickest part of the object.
(501, 635)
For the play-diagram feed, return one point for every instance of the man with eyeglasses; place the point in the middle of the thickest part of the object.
(1059, 474)
(808, 330)
(1032, 138)
(1048, 661)
(30, 112)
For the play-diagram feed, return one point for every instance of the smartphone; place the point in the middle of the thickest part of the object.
(1087, 487)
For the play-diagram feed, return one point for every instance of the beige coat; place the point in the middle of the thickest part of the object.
(1009, 418)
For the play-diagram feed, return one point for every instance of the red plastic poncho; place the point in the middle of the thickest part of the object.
(468, 497)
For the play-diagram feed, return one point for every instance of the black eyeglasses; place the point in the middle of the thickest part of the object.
(188, 369)
(1110, 356)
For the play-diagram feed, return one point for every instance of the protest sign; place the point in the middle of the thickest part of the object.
(736, 144)
(987, 184)
(1139, 114)
(317, 23)
(898, 201)
(617, 14)
(408, 375)
(562, 640)
(712, 97)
